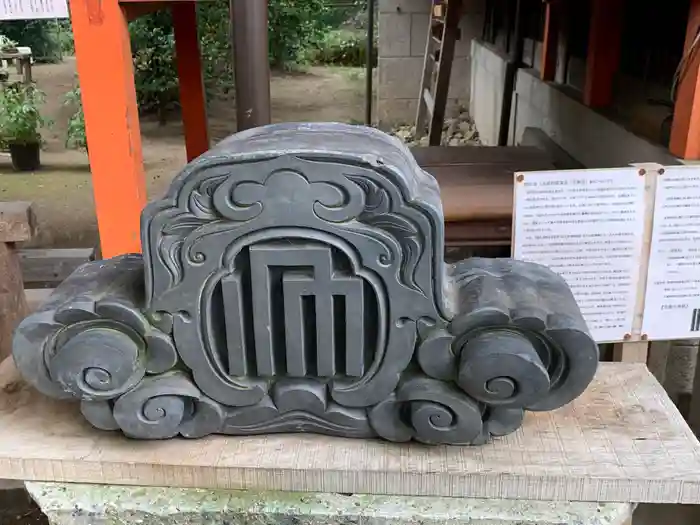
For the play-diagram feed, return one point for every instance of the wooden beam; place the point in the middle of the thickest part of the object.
(603, 57)
(13, 305)
(17, 221)
(41, 268)
(35, 297)
(632, 352)
(105, 71)
(550, 41)
(579, 459)
(189, 72)
(685, 132)
(137, 9)
(16, 225)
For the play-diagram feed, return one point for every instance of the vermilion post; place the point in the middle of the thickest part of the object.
(105, 70)
(189, 71)
(603, 58)
(550, 41)
(685, 133)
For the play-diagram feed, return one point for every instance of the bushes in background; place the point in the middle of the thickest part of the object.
(155, 74)
(314, 31)
(342, 47)
(43, 36)
(294, 27)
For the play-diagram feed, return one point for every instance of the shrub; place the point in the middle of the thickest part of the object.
(155, 74)
(20, 115)
(40, 35)
(344, 47)
(214, 39)
(155, 68)
(294, 26)
(75, 133)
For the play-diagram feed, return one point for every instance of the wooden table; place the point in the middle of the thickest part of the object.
(623, 440)
(23, 62)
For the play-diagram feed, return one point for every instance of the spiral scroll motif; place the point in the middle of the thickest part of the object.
(159, 407)
(502, 367)
(428, 411)
(93, 346)
(516, 342)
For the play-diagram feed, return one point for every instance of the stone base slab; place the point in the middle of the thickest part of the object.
(77, 504)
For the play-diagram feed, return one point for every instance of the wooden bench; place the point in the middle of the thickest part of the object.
(16, 225)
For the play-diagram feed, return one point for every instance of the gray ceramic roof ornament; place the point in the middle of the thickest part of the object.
(293, 280)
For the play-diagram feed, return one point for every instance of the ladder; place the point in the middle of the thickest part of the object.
(443, 33)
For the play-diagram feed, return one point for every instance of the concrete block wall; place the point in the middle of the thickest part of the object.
(486, 93)
(588, 136)
(403, 32)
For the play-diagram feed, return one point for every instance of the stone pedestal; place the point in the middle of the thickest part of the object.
(75, 504)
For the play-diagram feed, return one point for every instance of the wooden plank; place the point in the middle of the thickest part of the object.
(603, 57)
(42, 268)
(36, 297)
(13, 306)
(685, 131)
(479, 232)
(476, 183)
(622, 440)
(466, 198)
(467, 155)
(17, 221)
(632, 352)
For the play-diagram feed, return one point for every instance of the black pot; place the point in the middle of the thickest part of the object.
(25, 157)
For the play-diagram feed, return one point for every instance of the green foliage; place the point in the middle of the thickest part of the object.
(294, 26)
(75, 133)
(299, 30)
(20, 116)
(40, 35)
(342, 47)
(155, 68)
(215, 42)
(345, 13)
(155, 74)
(64, 36)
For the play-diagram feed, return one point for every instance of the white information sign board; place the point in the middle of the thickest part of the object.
(672, 302)
(33, 9)
(588, 226)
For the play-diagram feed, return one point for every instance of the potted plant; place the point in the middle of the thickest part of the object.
(20, 123)
(75, 133)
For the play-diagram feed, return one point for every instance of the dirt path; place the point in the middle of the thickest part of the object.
(62, 190)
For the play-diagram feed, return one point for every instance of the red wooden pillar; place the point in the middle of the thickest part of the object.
(603, 57)
(106, 75)
(550, 41)
(189, 72)
(685, 133)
